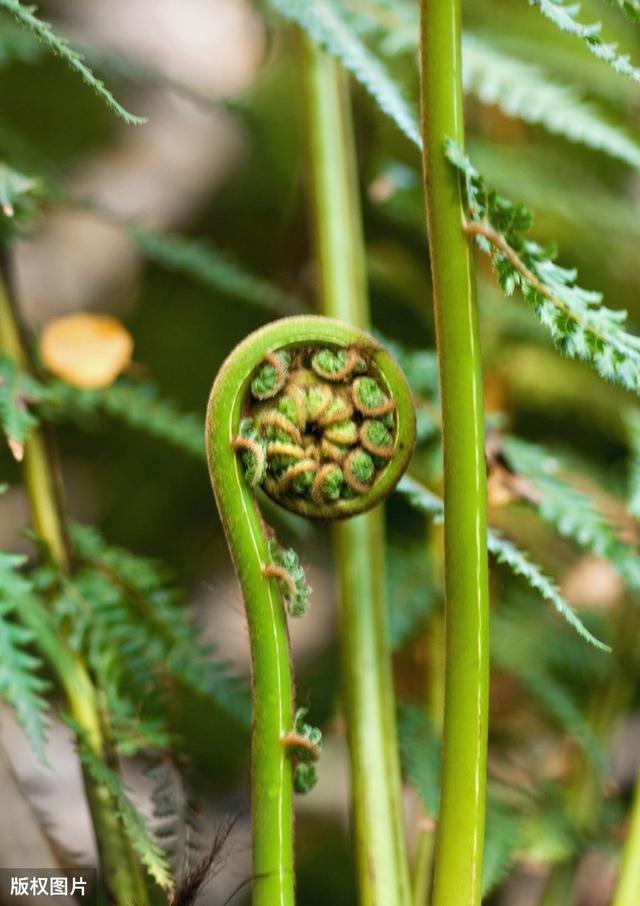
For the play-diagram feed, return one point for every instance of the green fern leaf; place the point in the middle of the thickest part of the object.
(17, 391)
(20, 684)
(125, 614)
(580, 326)
(325, 24)
(506, 552)
(137, 405)
(148, 849)
(571, 511)
(43, 31)
(525, 92)
(564, 17)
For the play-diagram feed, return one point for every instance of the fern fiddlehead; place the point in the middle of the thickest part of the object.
(271, 406)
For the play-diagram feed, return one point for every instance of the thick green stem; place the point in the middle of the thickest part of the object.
(458, 861)
(120, 871)
(628, 889)
(375, 773)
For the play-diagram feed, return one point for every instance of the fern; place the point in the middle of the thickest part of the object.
(524, 91)
(137, 405)
(325, 24)
(20, 685)
(211, 268)
(519, 89)
(579, 324)
(148, 849)
(17, 391)
(506, 552)
(43, 31)
(122, 606)
(571, 511)
(564, 17)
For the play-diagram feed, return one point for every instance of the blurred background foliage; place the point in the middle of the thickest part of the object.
(221, 166)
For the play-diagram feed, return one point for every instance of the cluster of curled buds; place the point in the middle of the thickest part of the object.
(319, 427)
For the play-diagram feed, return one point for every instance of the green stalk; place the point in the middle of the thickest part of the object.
(458, 861)
(375, 773)
(120, 871)
(628, 888)
(272, 789)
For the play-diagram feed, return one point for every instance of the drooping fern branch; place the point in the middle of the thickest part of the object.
(579, 324)
(519, 89)
(524, 91)
(147, 847)
(21, 685)
(571, 510)
(126, 615)
(45, 33)
(322, 20)
(505, 552)
(564, 16)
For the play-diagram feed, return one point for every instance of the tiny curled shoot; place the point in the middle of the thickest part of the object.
(304, 745)
(287, 569)
(326, 421)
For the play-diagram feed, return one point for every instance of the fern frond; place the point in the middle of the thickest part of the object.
(286, 568)
(20, 683)
(325, 24)
(142, 840)
(43, 31)
(524, 91)
(17, 392)
(136, 405)
(572, 512)
(564, 17)
(506, 552)
(580, 326)
(211, 268)
(123, 606)
(520, 90)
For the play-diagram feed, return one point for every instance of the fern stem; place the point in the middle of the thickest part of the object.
(460, 839)
(628, 886)
(272, 783)
(120, 872)
(359, 544)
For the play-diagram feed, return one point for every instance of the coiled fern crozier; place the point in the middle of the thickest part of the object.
(318, 416)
